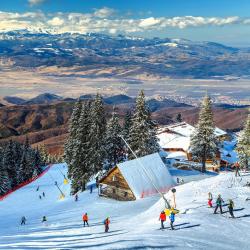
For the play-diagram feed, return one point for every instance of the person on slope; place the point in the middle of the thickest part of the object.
(40, 197)
(219, 202)
(172, 219)
(76, 197)
(23, 220)
(162, 218)
(231, 208)
(237, 169)
(210, 199)
(43, 194)
(44, 219)
(85, 219)
(106, 224)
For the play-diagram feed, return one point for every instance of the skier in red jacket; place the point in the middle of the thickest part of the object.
(106, 223)
(162, 218)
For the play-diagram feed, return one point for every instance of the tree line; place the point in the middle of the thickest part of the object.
(18, 163)
(95, 144)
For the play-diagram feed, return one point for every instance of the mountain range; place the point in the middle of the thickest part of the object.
(122, 56)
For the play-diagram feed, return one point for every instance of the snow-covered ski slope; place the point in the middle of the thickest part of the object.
(134, 225)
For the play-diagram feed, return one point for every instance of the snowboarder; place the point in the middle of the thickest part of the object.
(43, 194)
(85, 219)
(106, 224)
(172, 219)
(76, 197)
(218, 204)
(210, 200)
(231, 208)
(237, 169)
(44, 219)
(162, 218)
(23, 220)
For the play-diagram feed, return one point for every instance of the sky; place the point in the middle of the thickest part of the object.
(224, 21)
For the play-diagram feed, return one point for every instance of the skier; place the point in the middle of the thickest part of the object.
(172, 219)
(162, 218)
(76, 197)
(23, 220)
(37, 189)
(85, 219)
(231, 208)
(106, 223)
(218, 204)
(40, 197)
(91, 189)
(237, 169)
(210, 200)
(44, 219)
(43, 194)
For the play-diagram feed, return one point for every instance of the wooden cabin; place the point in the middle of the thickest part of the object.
(136, 179)
(114, 186)
(176, 138)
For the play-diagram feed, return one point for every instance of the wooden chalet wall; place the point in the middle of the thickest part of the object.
(115, 186)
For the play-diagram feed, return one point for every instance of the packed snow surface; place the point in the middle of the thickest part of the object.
(134, 225)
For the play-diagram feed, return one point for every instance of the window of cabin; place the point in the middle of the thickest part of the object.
(114, 178)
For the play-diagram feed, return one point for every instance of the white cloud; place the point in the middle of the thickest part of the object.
(56, 21)
(148, 22)
(104, 12)
(35, 2)
(105, 20)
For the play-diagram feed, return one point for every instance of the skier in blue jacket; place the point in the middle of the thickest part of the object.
(172, 219)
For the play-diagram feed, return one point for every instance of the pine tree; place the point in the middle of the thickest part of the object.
(5, 184)
(9, 163)
(203, 144)
(114, 143)
(44, 155)
(127, 125)
(243, 145)
(142, 138)
(73, 126)
(80, 165)
(97, 153)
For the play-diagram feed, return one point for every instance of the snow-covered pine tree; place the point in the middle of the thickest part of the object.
(37, 162)
(44, 155)
(243, 145)
(203, 144)
(5, 183)
(114, 143)
(97, 153)
(80, 165)
(142, 138)
(73, 126)
(127, 125)
(9, 163)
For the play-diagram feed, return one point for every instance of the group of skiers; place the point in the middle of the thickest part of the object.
(106, 222)
(219, 202)
(23, 220)
(163, 218)
(40, 195)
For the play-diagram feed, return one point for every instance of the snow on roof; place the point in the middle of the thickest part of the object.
(178, 135)
(177, 155)
(143, 174)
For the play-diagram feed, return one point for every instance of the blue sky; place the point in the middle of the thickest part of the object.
(226, 21)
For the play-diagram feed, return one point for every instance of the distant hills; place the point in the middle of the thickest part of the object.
(121, 99)
(44, 118)
(121, 56)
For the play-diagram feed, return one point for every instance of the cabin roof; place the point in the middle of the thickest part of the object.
(177, 136)
(144, 173)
